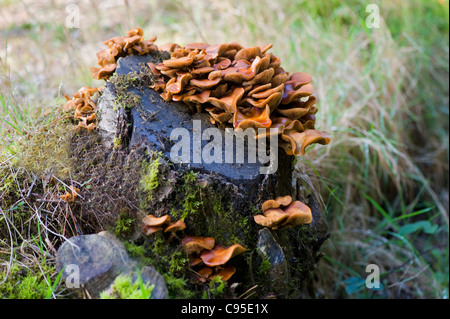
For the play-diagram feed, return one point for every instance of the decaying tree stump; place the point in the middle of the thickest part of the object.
(215, 199)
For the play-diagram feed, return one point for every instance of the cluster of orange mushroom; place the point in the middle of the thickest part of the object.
(202, 251)
(211, 259)
(83, 106)
(152, 224)
(133, 43)
(246, 87)
(282, 212)
(69, 197)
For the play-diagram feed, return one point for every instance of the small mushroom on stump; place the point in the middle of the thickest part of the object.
(286, 214)
(152, 224)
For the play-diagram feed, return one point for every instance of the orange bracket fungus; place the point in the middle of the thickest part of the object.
(133, 43)
(152, 224)
(283, 213)
(221, 255)
(246, 87)
(194, 245)
(213, 257)
(242, 87)
(83, 106)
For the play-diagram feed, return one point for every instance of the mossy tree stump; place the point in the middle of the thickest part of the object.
(128, 165)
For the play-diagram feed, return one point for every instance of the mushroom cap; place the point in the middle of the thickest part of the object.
(258, 88)
(272, 101)
(298, 109)
(196, 244)
(70, 197)
(198, 98)
(152, 221)
(265, 48)
(298, 214)
(169, 47)
(176, 226)
(202, 70)
(248, 53)
(178, 63)
(204, 273)
(220, 255)
(265, 61)
(195, 261)
(177, 86)
(271, 218)
(225, 272)
(268, 92)
(148, 230)
(279, 77)
(299, 79)
(270, 204)
(260, 78)
(204, 83)
(135, 31)
(222, 64)
(255, 117)
(153, 68)
(219, 115)
(299, 141)
(291, 94)
(284, 200)
(229, 101)
(278, 125)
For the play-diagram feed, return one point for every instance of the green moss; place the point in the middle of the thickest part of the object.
(216, 288)
(124, 287)
(178, 287)
(190, 201)
(227, 226)
(124, 97)
(150, 179)
(117, 142)
(24, 284)
(127, 101)
(170, 261)
(124, 225)
(264, 267)
(47, 148)
(134, 250)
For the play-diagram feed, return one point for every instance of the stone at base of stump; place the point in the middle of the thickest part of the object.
(92, 262)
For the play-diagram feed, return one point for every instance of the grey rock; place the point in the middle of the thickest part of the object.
(150, 275)
(99, 259)
(95, 261)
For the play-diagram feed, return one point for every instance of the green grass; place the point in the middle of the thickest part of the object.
(382, 95)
